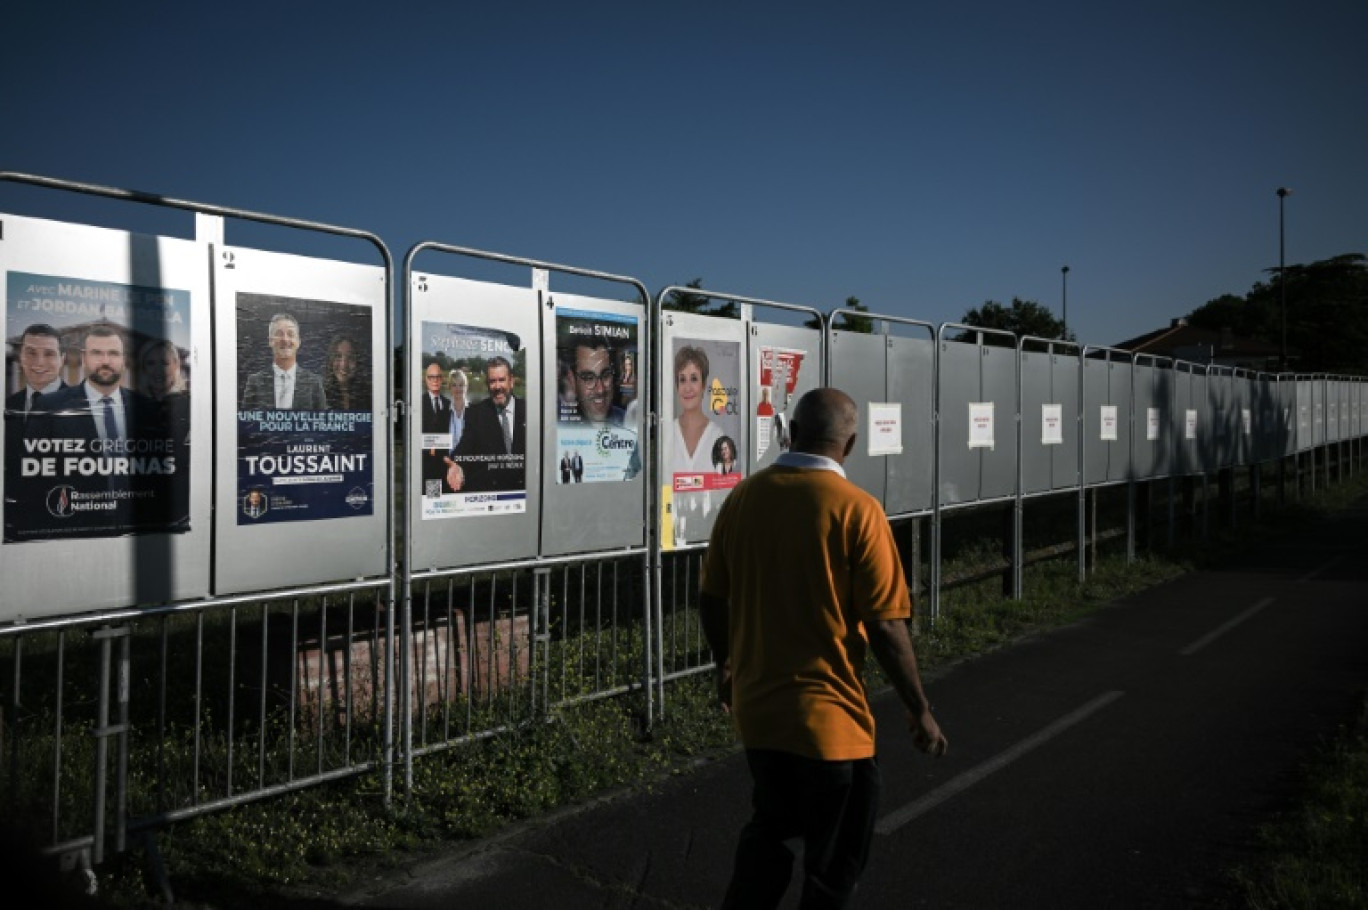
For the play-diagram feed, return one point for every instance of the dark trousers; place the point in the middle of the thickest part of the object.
(831, 805)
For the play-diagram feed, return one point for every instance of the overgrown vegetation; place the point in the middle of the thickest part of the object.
(1314, 855)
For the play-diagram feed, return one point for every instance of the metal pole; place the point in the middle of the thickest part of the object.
(1283, 193)
(1064, 278)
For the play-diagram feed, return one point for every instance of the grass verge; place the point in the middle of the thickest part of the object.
(1316, 854)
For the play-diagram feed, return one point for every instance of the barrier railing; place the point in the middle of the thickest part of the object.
(546, 605)
(180, 690)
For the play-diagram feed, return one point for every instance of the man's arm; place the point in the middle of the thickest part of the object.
(892, 648)
(714, 611)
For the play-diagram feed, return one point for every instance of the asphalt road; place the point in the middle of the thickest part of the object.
(1121, 762)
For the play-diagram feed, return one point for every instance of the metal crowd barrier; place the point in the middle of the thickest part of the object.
(509, 617)
(198, 704)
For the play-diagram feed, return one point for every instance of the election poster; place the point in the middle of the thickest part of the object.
(779, 368)
(305, 409)
(702, 449)
(97, 416)
(598, 419)
(474, 428)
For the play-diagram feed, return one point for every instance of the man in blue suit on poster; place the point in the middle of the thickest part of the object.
(492, 453)
(40, 369)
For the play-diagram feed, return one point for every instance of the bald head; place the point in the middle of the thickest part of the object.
(825, 423)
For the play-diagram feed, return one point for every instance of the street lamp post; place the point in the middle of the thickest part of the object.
(1064, 277)
(1283, 193)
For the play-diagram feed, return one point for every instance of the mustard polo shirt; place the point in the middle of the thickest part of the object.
(803, 557)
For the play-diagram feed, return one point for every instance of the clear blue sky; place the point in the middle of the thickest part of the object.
(922, 157)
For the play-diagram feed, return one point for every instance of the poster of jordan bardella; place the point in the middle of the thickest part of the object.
(97, 408)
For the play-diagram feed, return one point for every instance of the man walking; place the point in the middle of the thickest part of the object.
(800, 575)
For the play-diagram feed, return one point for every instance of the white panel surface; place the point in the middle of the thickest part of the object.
(302, 481)
(114, 513)
(488, 511)
(693, 484)
(594, 478)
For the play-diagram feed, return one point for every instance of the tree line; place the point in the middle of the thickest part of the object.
(1326, 314)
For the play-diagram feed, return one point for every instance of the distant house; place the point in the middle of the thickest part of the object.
(1220, 347)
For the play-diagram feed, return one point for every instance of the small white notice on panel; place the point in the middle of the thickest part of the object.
(885, 428)
(980, 424)
(1107, 426)
(1051, 424)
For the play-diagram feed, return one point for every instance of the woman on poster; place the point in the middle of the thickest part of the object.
(161, 377)
(340, 384)
(160, 373)
(694, 434)
(460, 385)
(724, 456)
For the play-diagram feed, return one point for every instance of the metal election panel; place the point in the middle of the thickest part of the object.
(1343, 420)
(1242, 438)
(475, 493)
(1270, 419)
(859, 367)
(1219, 452)
(1286, 398)
(961, 384)
(1360, 398)
(1049, 441)
(301, 463)
(594, 479)
(977, 463)
(1098, 392)
(1301, 411)
(1188, 421)
(1352, 428)
(1348, 410)
(1334, 395)
(114, 512)
(1000, 382)
(912, 385)
(1151, 404)
(692, 485)
(1204, 393)
(785, 362)
(1327, 409)
(1356, 407)
(1330, 410)
(1316, 387)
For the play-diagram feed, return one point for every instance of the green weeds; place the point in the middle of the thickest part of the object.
(1314, 855)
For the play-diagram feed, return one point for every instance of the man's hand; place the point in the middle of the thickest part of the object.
(926, 733)
(724, 686)
(455, 477)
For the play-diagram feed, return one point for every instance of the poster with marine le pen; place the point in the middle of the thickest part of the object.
(97, 408)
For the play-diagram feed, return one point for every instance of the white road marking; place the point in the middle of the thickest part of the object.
(1314, 572)
(1216, 633)
(899, 817)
